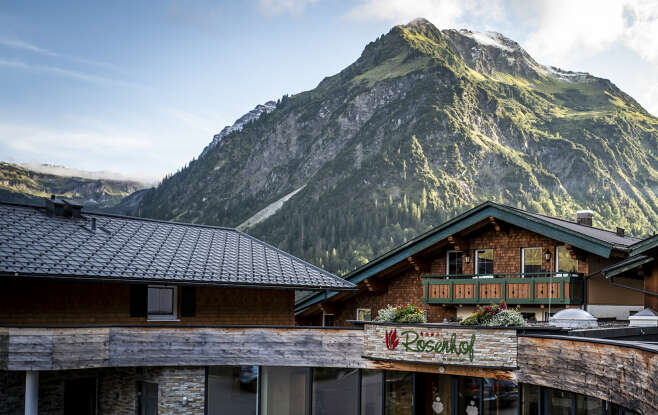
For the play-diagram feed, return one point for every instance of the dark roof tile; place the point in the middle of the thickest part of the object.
(34, 243)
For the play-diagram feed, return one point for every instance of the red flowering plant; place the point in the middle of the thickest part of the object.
(484, 314)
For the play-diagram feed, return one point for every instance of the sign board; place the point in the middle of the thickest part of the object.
(448, 345)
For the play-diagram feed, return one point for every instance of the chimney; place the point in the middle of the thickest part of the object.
(620, 231)
(72, 209)
(54, 206)
(61, 207)
(584, 217)
(93, 224)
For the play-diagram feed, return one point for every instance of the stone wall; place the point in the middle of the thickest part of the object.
(472, 347)
(117, 390)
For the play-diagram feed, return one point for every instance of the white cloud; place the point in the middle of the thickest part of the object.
(641, 28)
(113, 149)
(67, 73)
(565, 26)
(444, 14)
(276, 7)
(648, 98)
(22, 45)
(564, 30)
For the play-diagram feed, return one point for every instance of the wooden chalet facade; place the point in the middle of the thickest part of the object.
(102, 314)
(489, 254)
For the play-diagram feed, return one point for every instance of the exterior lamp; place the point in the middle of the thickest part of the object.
(547, 255)
(467, 257)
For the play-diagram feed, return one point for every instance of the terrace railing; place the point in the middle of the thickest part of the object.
(514, 288)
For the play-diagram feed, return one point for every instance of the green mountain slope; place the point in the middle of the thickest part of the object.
(22, 185)
(424, 125)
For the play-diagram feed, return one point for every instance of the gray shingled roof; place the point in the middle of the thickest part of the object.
(32, 243)
(600, 234)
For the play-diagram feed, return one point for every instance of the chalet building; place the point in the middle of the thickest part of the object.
(489, 254)
(122, 287)
(102, 314)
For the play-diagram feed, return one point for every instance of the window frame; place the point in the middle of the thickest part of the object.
(324, 319)
(454, 251)
(163, 317)
(559, 273)
(541, 252)
(368, 310)
(477, 260)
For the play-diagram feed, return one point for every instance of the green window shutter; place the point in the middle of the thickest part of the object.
(188, 302)
(138, 300)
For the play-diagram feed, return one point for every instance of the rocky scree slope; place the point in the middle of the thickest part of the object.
(425, 124)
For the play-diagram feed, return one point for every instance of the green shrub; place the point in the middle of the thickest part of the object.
(506, 318)
(386, 314)
(401, 314)
(470, 320)
(486, 315)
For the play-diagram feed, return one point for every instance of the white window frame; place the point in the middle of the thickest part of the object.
(359, 310)
(164, 317)
(557, 264)
(324, 319)
(523, 257)
(477, 259)
(453, 251)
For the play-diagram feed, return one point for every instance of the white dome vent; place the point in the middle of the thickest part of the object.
(573, 318)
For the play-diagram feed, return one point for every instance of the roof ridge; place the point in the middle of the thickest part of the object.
(567, 220)
(117, 216)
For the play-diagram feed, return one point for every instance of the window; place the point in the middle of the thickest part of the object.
(500, 397)
(484, 263)
(564, 262)
(398, 392)
(328, 320)
(454, 263)
(530, 260)
(335, 391)
(284, 391)
(232, 389)
(162, 302)
(363, 314)
(372, 385)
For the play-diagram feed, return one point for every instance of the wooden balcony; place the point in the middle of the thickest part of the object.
(528, 288)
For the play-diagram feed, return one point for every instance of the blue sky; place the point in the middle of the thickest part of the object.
(140, 87)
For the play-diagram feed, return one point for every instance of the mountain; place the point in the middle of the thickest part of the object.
(423, 125)
(252, 115)
(20, 184)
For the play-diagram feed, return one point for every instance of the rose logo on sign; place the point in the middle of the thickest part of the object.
(392, 339)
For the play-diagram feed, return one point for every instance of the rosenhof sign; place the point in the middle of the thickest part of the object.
(441, 345)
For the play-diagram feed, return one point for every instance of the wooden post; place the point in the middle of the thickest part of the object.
(651, 284)
(31, 392)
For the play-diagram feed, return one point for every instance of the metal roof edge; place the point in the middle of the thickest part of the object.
(644, 245)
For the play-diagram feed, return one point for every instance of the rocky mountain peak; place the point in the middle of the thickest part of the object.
(239, 124)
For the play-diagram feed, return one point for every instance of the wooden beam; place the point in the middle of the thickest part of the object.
(500, 374)
(419, 265)
(375, 285)
(495, 224)
(576, 253)
(458, 244)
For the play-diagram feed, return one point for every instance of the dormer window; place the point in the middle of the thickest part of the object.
(162, 301)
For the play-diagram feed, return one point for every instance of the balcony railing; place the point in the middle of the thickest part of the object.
(513, 288)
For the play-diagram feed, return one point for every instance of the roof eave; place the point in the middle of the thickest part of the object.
(137, 280)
